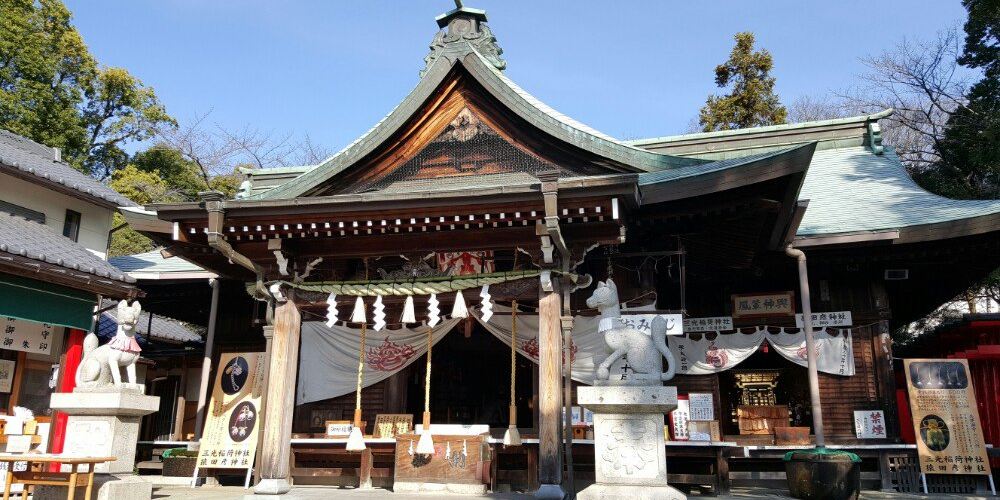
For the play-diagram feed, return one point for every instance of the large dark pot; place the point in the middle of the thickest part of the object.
(180, 466)
(823, 474)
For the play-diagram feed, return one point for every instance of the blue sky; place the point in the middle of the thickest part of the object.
(331, 69)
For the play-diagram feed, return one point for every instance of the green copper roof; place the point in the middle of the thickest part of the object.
(516, 99)
(852, 190)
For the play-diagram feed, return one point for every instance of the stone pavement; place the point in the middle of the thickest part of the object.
(321, 492)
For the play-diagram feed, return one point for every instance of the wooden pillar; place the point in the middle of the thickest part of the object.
(178, 434)
(280, 405)
(549, 393)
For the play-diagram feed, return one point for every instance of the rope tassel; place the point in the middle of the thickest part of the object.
(459, 310)
(409, 316)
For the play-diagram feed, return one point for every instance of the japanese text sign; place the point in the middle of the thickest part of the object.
(233, 424)
(824, 319)
(764, 304)
(869, 424)
(945, 418)
(27, 336)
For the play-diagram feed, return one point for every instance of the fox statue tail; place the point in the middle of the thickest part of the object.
(90, 343)
(659, 335)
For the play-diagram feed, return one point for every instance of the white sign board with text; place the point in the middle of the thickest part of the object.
(27, 336)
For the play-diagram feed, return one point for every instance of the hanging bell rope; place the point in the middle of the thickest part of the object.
(512, 437)
(356, 441)
(425, 446)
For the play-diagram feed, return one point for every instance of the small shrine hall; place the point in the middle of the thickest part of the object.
(432, 276)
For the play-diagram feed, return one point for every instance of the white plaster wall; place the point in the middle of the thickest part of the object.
(95, 220)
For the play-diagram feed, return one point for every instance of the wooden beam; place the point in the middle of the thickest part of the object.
(549, 388)
(277, 430)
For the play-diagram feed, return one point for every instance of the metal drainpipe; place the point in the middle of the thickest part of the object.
(817, 409)
(206, 363)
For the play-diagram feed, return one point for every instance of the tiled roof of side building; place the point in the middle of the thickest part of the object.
(152, 265)
(25, 157)
(163, 328)
(853, 190)
(29, 239)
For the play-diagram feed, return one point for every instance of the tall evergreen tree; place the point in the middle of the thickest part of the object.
(751, 101)
(970, 150)
(54, 92)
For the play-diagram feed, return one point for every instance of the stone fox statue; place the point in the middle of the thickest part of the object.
(102, 365)
(643, 351)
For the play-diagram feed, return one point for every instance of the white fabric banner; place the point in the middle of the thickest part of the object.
(328, 358)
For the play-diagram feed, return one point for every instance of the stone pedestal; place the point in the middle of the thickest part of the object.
(105, 424)
(629, 455)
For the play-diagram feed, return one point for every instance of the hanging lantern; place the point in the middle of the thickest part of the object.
(378, 314)
(358, 316)
(425, 446)
(408, 314)
(331, 310)
(459, 310)
(433, 313)
(512, 437)
(486, 310)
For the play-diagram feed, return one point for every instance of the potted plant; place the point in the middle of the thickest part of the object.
(823, 474)
(179, 462)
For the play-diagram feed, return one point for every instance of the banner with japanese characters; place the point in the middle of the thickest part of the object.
(233, 423)
(945, 417)
(27, 336)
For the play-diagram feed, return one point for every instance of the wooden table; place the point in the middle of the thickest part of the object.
(71, 480)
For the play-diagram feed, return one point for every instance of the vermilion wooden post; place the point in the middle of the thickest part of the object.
(74, 353)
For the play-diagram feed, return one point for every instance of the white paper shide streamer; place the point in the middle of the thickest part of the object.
(433, 313)
(486, 310)
(331, 310)
(378, 315)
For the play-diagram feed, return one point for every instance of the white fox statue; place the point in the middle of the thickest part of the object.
(644, 352)
(101, 366)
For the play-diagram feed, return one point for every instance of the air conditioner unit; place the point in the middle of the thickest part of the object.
(897, 274)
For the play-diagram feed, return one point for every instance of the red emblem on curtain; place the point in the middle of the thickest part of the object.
(389, 356)
(464, 263)
(530, 347)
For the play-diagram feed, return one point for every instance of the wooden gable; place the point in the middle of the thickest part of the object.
(463, 136)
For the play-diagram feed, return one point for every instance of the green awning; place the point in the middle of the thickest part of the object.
(34, 300)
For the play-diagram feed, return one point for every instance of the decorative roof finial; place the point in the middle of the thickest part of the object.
(464, 30)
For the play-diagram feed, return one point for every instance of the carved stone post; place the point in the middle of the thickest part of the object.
(277, 432)
(549, 391)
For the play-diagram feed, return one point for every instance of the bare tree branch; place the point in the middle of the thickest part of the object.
(924, 84)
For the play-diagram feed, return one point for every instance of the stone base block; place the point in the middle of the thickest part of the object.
(619, 492)
(106, 487)
(272, 487)
(550, 492)
(459, 488)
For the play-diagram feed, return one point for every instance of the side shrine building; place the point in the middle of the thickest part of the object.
(473, 191)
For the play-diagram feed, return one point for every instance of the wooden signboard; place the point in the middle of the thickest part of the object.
(945, 418)
(233, 424)
(757, 305)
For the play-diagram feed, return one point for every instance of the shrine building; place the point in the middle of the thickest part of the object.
(473, 191)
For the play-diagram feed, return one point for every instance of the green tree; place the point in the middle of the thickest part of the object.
(142, 187)
(751, 101)
(181, 175)
(970, 149)
(54, 92)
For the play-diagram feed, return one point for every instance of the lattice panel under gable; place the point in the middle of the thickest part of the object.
(468, 153)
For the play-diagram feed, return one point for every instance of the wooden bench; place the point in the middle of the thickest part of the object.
(327, 461)
(71, 480)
